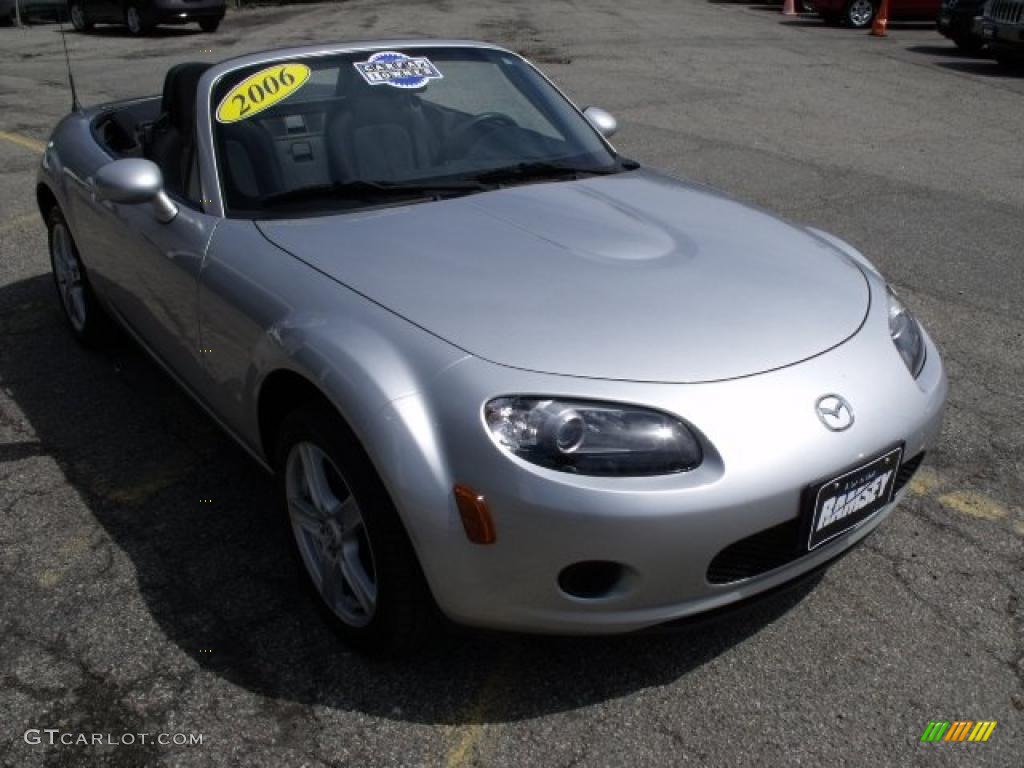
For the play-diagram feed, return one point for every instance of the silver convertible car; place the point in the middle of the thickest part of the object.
(502, 373)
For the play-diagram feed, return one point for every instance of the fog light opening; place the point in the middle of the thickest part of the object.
(591, 579)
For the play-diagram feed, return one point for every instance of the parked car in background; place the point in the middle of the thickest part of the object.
(140, 16)
(860, 13)
(31, 10)
(1002, 27)
(956, 21)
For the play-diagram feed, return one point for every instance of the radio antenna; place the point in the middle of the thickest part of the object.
(75, 106)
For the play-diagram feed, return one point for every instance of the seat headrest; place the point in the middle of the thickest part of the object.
(179, 99)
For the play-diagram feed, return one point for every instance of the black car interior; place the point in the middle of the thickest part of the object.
(348, 132)
(169, 138)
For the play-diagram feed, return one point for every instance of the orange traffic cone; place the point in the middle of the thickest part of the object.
(789, 8)
(881, 20)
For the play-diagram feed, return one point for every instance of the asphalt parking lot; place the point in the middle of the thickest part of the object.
(128, 605)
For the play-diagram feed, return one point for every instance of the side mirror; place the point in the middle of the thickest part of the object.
(603, 121)
(133, 181)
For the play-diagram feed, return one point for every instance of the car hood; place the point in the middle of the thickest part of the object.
(634, 276)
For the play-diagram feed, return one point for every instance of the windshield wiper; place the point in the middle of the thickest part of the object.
(373, 190)
(548, 170)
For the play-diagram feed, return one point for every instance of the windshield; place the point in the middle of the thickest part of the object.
(327, 133)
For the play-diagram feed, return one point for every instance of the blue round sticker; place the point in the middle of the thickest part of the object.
(397, 70)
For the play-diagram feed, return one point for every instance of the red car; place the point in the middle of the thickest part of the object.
(860, 13)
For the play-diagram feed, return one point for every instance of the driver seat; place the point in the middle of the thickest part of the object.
(380, 134)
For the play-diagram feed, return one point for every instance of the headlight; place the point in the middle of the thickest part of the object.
(906, 334)
(590, 438)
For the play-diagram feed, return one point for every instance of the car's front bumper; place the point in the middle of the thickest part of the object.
(186, 11)
(957, 22)
(764, 446)
(1002, 36)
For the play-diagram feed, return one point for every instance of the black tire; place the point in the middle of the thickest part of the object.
(405, 616)
(93, 328)
(137, 20)
(79, 18)
(209, 25)
(859, 13)
(968, 43)
(806, 6)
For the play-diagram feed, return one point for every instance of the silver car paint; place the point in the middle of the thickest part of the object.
(536, 274)
(415, 400)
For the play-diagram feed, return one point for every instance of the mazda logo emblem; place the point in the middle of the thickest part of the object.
(834, 412)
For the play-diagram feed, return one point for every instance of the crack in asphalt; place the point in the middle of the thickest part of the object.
(950, 618)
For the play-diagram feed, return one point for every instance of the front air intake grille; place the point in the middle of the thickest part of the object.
(764, 551)
(907, 470)
(1009, 11)
(776, 546)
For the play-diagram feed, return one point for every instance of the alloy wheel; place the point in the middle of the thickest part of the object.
(67, 271)
(860, 13)
(331, 534)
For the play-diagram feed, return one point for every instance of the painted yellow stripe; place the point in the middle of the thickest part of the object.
(467, 742)
(974, 504)
(926, 481)
(23, 141)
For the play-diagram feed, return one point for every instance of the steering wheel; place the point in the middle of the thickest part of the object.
(482, 124)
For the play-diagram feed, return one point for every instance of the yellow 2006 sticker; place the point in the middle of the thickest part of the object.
(262, 90)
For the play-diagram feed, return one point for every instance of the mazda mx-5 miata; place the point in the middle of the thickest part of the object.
(498, 369)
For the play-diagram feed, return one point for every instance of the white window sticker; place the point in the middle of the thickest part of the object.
(398, 70)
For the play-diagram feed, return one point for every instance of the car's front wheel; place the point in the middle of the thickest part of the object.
(79, 19)
(136, 20)
(859, 13)
(347, 536)
(89, 323)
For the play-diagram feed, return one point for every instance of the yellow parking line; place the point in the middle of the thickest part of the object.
(23, 141)
(469, 736)
(139, 487)
(465, 746)
(925, 482)
(68, 553)
(930, 483)
(973, 504)
(148, 485)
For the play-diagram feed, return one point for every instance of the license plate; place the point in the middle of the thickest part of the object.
(845, 502)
